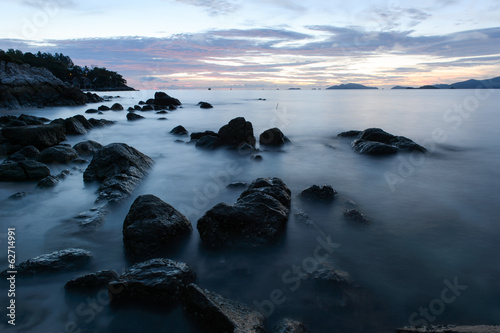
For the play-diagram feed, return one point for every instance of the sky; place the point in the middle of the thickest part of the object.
(183, 44)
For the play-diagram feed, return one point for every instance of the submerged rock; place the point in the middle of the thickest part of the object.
(87, 147)
(219, 314)
(58, 154)
(179, 130)
(237, 132)
(208, 142)
(18, 196)
(288, 325)
(40, 136)
(257, 218)
(91, 282)
(119, 168)
(90, 219)
(22, 171)
(101, 122)
(152, 225)
(156, 281)
(273, 137)
(63, 260)
(134, 116)
(355, 215)
(322, 193)
(205, 105)
(48, 182)
(375, 141)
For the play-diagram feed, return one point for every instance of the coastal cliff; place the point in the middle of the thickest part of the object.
(25, 86)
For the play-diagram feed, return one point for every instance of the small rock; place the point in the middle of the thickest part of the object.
(237, 185)
(103, 108)
(179, 130)
(63, 260)
(288, 325)
(322, 193)
(205, 105)
(156, 281)
(91, 282)
(257, 157)
(58, 154)
(134, 116)
(92, 111)
(208, 142)
(273, 137)
(48, 182)
(354, 215)
(87, 147)
(117, 107)
(17, 196)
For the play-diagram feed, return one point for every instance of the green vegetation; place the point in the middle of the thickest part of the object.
(97, 78)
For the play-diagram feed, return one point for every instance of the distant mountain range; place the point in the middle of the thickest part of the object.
(469, 84)
(351, 86)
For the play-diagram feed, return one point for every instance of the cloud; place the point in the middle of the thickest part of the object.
(316, 55)
(214, 7)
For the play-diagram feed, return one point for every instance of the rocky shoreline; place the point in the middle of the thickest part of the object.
(153, 228)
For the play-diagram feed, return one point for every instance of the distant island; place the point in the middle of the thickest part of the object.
(493, 83)
(63, 68)
(351, 86)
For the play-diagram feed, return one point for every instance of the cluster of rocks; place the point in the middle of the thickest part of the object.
(25, 86)
(31, 145)
(238, 133)
(375, 141)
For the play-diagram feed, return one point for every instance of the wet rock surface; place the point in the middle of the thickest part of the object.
(39, 136)
(319, 193)
(152, 225)
(156, 281)
(119, 168)
(23, 171)
(63, 260)
(219, 314)
(288, 325)
(257, 218)
(91, 282)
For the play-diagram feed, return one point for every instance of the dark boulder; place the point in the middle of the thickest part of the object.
(92, 111)
(355, 215)
(83, 121)
(218, 314)
(137, 107)
(73, 126)
(101, 122)
(258, 218)
(103, 108)
(179, 130)
(40, 136)
(27, 153)
(58, 154)
(87, 147)
(91, 282)
(63, 260)
(119, 168)
(156, 281)
(199, 135)
(15, 123)
(288, 325)
(117, 107)
(93, 98)
(151, 226)
(23, 171)
(148, 108)
(349, 134)
(273, 137)
(150, 101)
(373, 148)
(162, 99)
(208, 142)
(322, 193)
(237, 132)
(48, 182)
(205, 105)
(4, 120)
(32, 120)
(134, 116)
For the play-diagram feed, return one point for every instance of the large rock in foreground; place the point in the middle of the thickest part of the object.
(25, 86)
(218, 314)
(156, 281)
(258, 217)
(11, 171)
(152, 225)
(450, 329)
(64, 260)
(119, 168)
(40, 136)
(237, 132)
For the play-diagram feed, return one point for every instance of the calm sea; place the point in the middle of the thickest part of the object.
(429, 256)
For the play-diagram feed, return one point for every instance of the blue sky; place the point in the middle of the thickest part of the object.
(272, 43)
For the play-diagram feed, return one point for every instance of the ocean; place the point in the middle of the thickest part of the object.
(429, 255)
